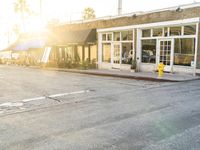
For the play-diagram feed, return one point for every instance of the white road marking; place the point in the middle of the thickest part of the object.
(21, 103)
(9, 104)
(55, 95)
(33, 99)
(72, 93)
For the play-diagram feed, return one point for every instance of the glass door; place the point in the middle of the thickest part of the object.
(166, 54)
(116, 61)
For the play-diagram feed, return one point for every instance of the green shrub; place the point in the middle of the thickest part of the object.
(133, 64)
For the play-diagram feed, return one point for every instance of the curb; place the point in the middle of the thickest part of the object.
(88, 72)
(113, 75)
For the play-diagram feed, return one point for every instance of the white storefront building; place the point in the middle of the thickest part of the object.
(174, 43)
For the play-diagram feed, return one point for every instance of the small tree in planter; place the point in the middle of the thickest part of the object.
(85, 64)
(93, 64)
(133, 66)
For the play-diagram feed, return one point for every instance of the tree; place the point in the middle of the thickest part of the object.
(88, 13)
(22, 8)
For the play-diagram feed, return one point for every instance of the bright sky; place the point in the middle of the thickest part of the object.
(66, 10)
(63, 9)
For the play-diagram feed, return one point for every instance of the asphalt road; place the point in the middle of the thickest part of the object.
(47, 110)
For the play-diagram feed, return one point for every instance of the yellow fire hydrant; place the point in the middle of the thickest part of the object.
(161, 67)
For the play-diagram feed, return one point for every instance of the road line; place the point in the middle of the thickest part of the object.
(72, 93)
(55, 95)
(34, 99)
(21, 103)
(10, 104)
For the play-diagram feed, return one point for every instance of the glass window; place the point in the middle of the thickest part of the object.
(127, 53)
(86, 53)
(80, 52)
(69, 54)
(60, 54)
(116, 36)
(53, 55)
(165, 31)
(66, 57)
(177, 46)
(103, 37)
(146, 33)
(93, 53)
(130, 35)
(106, 53)
(124, 35)
(158, 32)
(76, 55)
(127, 35)
(184, 50)
(174, 31)
(190, 30)
(63, 53)
(149, 51)
(109, 37)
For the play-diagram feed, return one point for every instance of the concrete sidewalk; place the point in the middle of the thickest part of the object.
(150, 76)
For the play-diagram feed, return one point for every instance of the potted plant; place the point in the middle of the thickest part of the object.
(133, 66)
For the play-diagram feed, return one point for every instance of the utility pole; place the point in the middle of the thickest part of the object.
(119, 7)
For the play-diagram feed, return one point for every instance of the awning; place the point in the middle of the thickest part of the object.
(74, 37)
(29, 44)
(27, 41)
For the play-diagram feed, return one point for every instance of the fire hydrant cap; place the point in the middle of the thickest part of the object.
(161, 65)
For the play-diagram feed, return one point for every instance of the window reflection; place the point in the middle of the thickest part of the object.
(149, 51)
(93, 53)
(158, 32)
(86, 53)
(127, 35)
(103, 37)
(69, 53)
(116, 36)
(184, 50)
(80, 52)
(146, 33)
(127, 53)
(190, 30)
(175, 31)
(106, 53)
(109, 37)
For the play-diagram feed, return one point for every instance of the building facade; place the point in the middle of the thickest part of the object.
(174, 43)
(170, 36)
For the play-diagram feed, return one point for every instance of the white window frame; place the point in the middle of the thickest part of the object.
(169, 37)
(138, 28)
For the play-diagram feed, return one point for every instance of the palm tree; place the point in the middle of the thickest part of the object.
(21, 7)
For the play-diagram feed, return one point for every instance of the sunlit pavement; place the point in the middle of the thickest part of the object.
(58, 110)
